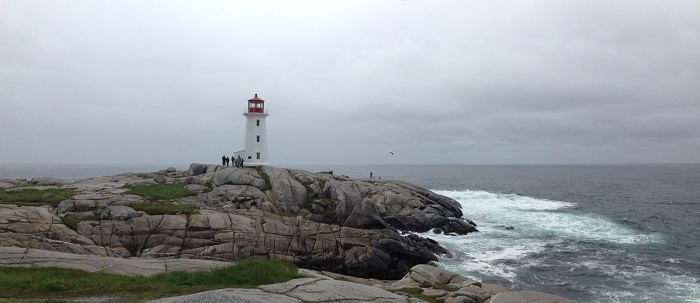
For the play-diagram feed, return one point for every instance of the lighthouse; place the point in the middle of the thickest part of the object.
(255, 152)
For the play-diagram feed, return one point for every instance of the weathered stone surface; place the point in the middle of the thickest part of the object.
(120, 213)
(435, 279)
(48, 182)
(230, 295)
(24, 257)
(529, 297)
(323, 290)
(196, 188)
(211, 168)
(428, 275)
(365, 204)
(309, 290)
(235, 194)
(477, 293)
(460, 299)
(432, 292)
(7, 183)
(237, 176)
(80, 205)
(406, 282)
(495, 288)
(371, 203)
(318, 221)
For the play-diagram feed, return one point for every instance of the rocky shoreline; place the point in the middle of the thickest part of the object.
(430, 281)
(319, 221)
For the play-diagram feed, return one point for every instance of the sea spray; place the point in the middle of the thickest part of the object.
(547, 245)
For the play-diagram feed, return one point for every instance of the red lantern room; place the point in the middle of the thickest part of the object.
(256, 105)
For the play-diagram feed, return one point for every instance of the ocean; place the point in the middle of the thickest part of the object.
(592, 233)
(77, 171)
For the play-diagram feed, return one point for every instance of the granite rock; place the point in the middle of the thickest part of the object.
(316, 220)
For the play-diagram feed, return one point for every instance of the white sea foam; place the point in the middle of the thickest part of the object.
(640, 284)
(539, 225)
(543, 217)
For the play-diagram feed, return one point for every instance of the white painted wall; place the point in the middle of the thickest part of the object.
(252, 146)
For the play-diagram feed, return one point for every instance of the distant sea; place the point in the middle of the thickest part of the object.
(593, 233)
(77, 171)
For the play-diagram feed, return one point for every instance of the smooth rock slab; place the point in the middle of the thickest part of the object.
(23, 257)
(529, 297)
(296, 291)
(322, 290)
(428, 275)
(477, 293)
(460, 299)
(238, 295)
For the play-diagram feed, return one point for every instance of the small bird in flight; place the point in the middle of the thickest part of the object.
(391, 153)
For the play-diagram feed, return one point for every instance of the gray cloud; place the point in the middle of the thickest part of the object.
(347, 82)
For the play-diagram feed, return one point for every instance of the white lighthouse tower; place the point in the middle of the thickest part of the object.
(255, 152)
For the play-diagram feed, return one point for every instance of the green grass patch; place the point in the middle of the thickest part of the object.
(286, 214)
(446, 287)
(38, 301)
(35, 196)
(265, 177)
(325, 202)
(164, 208)
(161, 191)
(57, 283)
(73, 221)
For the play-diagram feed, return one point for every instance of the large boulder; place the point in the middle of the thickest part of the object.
(237, 176)
(7, 183)
(48, 182)
(197, 169)
(120, 213)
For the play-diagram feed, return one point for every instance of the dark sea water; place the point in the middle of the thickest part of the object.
(593, 233)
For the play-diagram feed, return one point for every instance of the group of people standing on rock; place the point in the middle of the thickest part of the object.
(238, 162)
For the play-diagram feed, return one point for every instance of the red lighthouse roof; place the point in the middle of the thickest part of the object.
(256, 105)
(256, 99)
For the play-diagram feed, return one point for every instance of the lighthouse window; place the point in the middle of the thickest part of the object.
(258, 155)
(258, 122)
(258, 138)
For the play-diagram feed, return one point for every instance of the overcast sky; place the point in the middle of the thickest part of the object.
(348, 82)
